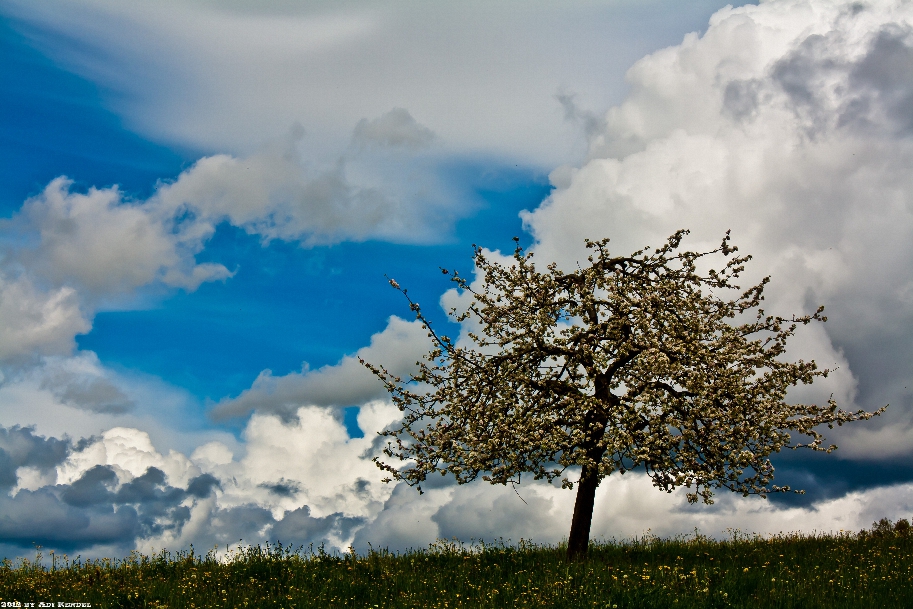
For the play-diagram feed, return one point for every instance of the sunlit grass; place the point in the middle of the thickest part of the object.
(867, 569)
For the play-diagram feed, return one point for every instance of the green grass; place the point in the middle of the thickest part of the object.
(867, 569)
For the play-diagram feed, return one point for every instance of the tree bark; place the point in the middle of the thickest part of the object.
(579, 540)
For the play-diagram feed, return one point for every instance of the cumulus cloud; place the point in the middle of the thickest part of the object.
(48, 502)
(346, 383)
(382, 186)
(127, 453)
(786, 122)
(276, 485)
(36, 322)
(23, 454)
(405, 521)
(67, 253)
(41, 517)
(626, 506)
(94, 511)
(117, 492)
(298, 527)
(295, 456)
(80, 396)
(102, 244)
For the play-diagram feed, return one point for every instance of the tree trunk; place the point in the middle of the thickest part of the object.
(579, 540)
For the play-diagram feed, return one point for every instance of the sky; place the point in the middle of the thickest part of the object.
(201, 203)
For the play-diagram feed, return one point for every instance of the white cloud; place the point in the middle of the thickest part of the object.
(311, 461)
(626, 507)
(83, 382)
(130, 453)
(406, 521)
(424, 87)
(281, 485)
(383, 185)
(280, 471)
(784, 124)
(34, 321)
(630, 506)
(67, 253)
(105, 245)
(306, 479)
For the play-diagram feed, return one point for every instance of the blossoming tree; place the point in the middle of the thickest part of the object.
(629, 362)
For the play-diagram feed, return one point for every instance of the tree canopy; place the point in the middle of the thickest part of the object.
(640, 361)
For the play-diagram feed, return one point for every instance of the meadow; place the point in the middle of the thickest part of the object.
(871, 568)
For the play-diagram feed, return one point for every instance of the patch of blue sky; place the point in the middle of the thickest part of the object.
(55, 123)
(287, 305)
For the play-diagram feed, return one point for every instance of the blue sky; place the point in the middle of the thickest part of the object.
(215, 340)
(242, 177)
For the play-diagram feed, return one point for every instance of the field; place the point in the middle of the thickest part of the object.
(867, 569)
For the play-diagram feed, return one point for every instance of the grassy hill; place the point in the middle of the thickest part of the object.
(871, 568)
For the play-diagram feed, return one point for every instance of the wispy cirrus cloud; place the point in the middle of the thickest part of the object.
(227, 76)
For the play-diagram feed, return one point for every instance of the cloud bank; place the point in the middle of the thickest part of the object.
(789, 123)
(116, 492)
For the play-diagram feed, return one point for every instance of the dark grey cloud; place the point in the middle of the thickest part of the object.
(93, 511)
(395, 129)
(92, 488)
(227, 526)
(20, 447)
(872, 93)
(298, 527)
(345, 383)
(740, 98)
(801, 75)
(824, 477)
(93, 393)
(252, 524)
(282, 488)
(7, 471)
(499, 512)
(41, 518)
(884, 78)
(404, 523)
(203, 486)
